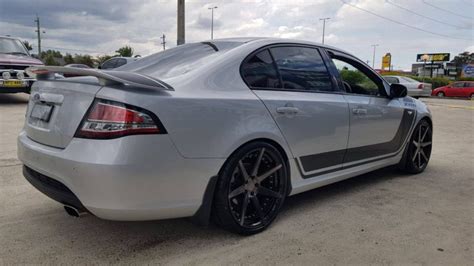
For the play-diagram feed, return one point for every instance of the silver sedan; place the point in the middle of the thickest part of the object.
(225, 128)
(415, 88)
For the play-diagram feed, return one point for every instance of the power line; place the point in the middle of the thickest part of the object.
(446, 10)
(403, 24)
(423, 16)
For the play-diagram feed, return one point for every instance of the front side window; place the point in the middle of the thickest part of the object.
(260, 72)
(355, 77)
(302, 69)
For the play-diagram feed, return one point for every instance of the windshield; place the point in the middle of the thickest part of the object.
(12, 46)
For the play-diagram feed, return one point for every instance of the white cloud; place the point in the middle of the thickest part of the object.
(103, 27)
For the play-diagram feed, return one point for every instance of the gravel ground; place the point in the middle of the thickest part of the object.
(379, 218)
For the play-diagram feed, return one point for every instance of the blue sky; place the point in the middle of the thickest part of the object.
(101, 26)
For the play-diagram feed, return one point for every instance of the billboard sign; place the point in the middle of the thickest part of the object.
(468, 71)
(440, 57)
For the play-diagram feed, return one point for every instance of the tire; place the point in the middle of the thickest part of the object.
(419, 149)
(472, 96)
(440, 94)
(248, 200)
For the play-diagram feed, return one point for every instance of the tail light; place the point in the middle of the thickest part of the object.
(421, 86)
(108, 120)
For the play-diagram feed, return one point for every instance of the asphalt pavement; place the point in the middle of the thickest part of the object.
(383, 217)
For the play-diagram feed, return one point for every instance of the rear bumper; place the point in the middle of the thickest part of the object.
(419, 93)
(131, 178)
(52, 188)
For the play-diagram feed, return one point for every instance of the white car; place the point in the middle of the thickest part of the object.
(226, 128)
(415, 88)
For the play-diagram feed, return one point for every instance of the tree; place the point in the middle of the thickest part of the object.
(84, 59)
(28, 45)
(68, 59)
(49, 60)
(103, 58)
(125, 51)
(461, 60)
(53, 53)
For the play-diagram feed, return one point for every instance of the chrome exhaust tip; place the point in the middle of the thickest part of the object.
(72, 211)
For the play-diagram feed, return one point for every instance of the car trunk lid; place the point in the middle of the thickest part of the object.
(56, 109)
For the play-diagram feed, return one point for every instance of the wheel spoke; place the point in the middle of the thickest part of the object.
(268, 192)
(424, 155)
(244, 209)
(243, 170)
(415, 143)
(414, 156)
(424, 144)
(257, 163)
(419, 134)
(268, 173)
(256, 204)
(419, 159)
(424, 134)
(237, 192)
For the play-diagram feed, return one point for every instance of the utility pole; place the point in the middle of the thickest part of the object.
(324, 26)
(38, 31)
(373, 57)
(163, 41)
(212, 21)
(181, 22)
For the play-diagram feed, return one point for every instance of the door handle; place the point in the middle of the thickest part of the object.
(359, 111)
(287, 110)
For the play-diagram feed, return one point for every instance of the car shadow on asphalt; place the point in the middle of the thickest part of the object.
(20, 98)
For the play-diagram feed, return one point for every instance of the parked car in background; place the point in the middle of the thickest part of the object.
(66, 75)
(14, 59)
(115, 62)
(225, 128)
(456, 89)
(415, 88)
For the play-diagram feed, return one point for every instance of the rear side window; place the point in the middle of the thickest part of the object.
(259, 71)
(109, 64)
(302, 69)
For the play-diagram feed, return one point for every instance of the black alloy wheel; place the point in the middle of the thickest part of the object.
(251, 189)
(419, 151)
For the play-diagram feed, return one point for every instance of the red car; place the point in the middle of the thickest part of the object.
(456, 89)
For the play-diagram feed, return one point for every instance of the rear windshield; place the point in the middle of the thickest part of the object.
(177, 61)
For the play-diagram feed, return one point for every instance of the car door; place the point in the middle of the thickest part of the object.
(378, 125)
(294, 84)
(455, 90)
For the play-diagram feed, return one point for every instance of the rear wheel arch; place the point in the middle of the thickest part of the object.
(272, 142)
(203, 214)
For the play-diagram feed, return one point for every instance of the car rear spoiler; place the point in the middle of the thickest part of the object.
(105, 77)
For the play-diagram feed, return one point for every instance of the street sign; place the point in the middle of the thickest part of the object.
(439, 57)
(386, 61)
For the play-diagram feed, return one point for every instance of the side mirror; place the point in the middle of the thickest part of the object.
(398, 91)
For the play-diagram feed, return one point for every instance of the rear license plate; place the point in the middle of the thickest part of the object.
(14, 83)
(42, 112)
